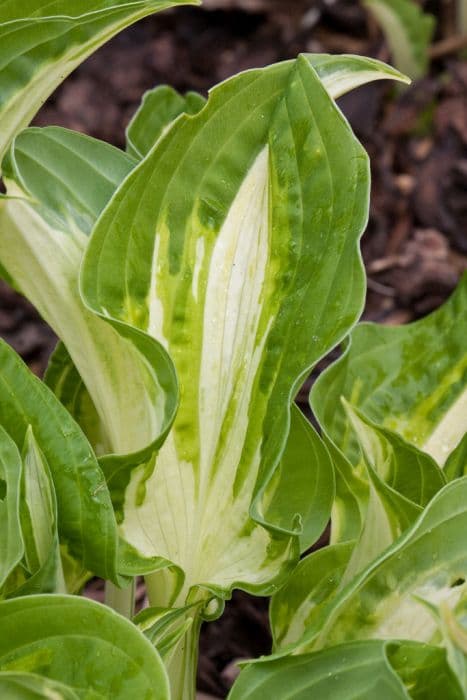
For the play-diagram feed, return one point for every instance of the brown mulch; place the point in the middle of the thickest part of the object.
(415, 247)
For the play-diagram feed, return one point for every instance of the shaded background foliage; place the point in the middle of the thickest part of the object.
(415, 248)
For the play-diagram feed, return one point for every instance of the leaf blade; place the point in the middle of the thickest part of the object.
(42, 42)
(48, 634)
(182, 282)
(85, 514)
(408, 31)
(343, 672)
(12, 546)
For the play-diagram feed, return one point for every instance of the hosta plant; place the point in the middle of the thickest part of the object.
(408, 31)
(389, 591)
(194, 280)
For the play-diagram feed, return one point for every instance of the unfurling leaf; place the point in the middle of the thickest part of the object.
(50, 440)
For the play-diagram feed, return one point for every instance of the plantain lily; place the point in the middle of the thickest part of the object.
(399, 431)
(194, 281)
(42, 42)
(408, 30)
(329, 633)
(52, 482)
(408, 382)
(391, 670)
(219, 280)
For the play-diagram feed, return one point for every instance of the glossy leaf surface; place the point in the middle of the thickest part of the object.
(364, 670)
(41, 42)
(401, 480)
(11, 541)
(39, 522)
(157, 112)
(83, 645)
(409, 379)
(86, 520)
(30, 686)
(410, 382)
(311, 586)
(301, 494)
(226, 255)
(428, 561)
(62, 180)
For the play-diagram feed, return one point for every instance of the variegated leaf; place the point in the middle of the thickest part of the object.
(310, 587)
(401, 481)
(363, 670)
(240, 229)
(408, 31)
(429, 562)
(408, 379)
(410, 382)
(41, 42)
(59, 181)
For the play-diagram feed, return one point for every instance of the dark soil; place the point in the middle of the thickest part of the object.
(415, 247)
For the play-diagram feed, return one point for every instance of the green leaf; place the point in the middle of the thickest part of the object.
(82, 645)
(301, 493)
(390, 670)
(453, 630)
(456, 464)
(41, 565)
(29, 686)
(388, 515)
(162, 105)
(312, 584)
(405, 469)
(62, 181)
(69, 198)
(352, 495)
(64, 380)
(41, 42)
(158, 110)
(11, 541)
(340, 74)
(165, 627)
(408, 379)
(401, 479)
(86, 520)
(358, 670)
(425, 671)
(233, 267)
(75, 574)
(38, 498)
(427, 562)
(408, 30)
